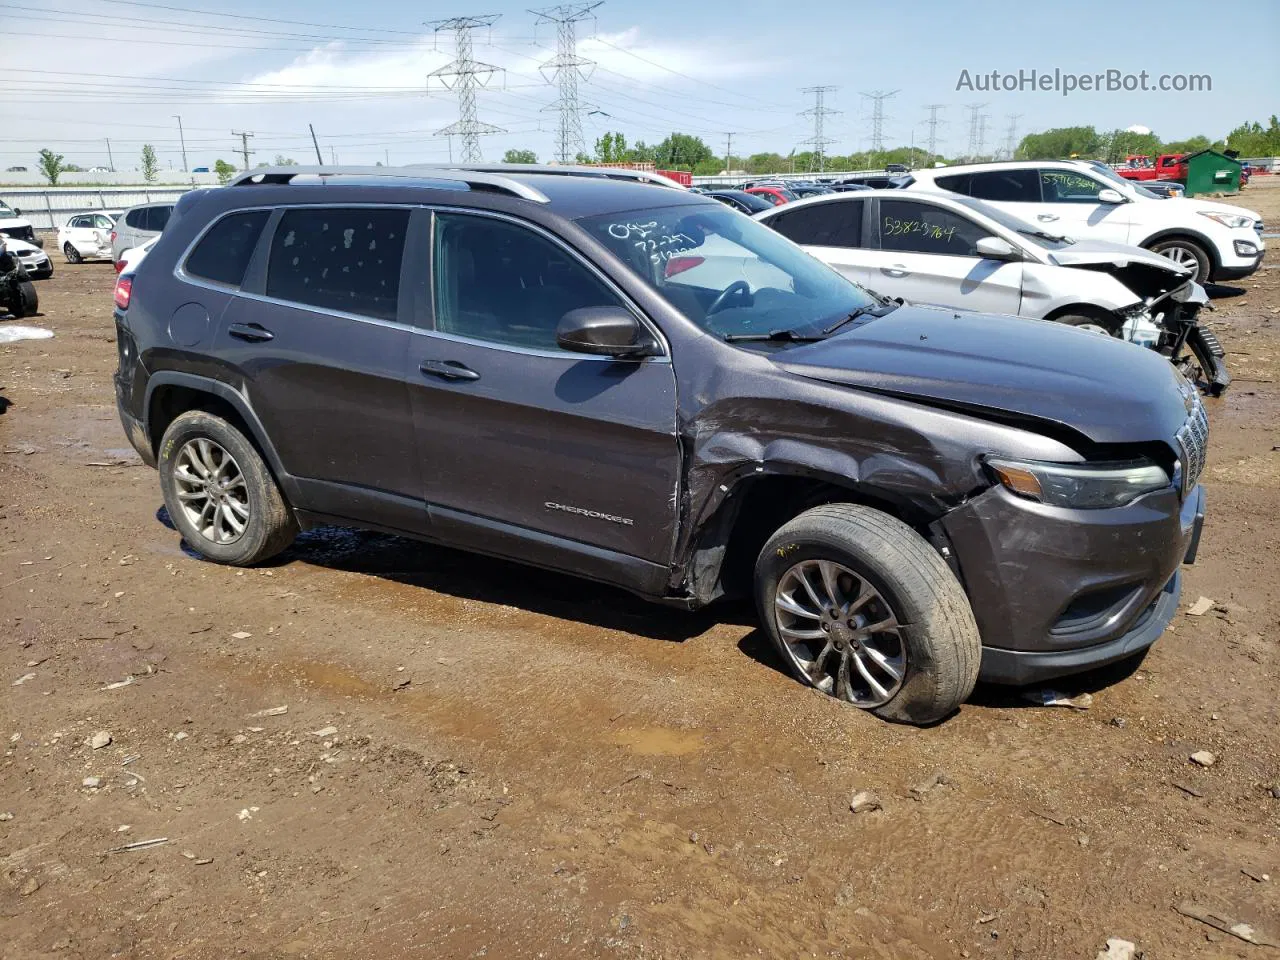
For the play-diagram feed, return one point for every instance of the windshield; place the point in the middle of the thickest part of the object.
(1104, 171)
(1043, 238)
(729, 275)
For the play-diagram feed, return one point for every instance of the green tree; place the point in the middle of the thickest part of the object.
(51, 165)
(1059, 143)
(1118, 144)
(612, 148)
(519, 156)
(1255, 140)
(765, 163)
(224, 170)
(680, 151)
(1190, 145)
(283, 161)
(150, 165)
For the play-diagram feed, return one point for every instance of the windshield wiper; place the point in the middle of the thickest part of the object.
(858, 312)
(1042, 235)
(784, 336)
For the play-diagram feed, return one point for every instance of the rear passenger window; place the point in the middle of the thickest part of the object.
(503, 283)
(223, 254)
(344, 259)
(829, 224)
(1008, 186)
(156, 218)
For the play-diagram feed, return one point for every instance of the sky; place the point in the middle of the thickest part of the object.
(79, 72)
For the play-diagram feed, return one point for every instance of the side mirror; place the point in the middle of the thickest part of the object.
(17, 212)
(994, 248)
(605, 331)
(1108, 195)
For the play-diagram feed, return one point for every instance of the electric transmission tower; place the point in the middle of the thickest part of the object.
(982, 134)
(466, 74)
(819, 111)
(975, 123)
(1011, 134)
(567, 66)
(877, 98)
(933, 122)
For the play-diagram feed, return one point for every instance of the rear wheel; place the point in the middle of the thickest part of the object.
(1185, 253)
(71, 253)
(862, 608)
(25, 302)
(220, 494)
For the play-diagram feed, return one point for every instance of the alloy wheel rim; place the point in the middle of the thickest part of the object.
(1181, 256)
(73, 255)
(840, 632)
(211, 491)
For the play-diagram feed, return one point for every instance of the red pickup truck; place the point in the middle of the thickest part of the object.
(1168, 166)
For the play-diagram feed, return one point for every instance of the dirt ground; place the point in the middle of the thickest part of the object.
(478, 759)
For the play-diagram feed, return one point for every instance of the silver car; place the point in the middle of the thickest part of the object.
(138, 225)
(956, 251)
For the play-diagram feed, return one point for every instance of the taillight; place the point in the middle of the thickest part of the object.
(124, 290)
(121, 264)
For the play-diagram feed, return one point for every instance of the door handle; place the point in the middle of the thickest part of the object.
(1046, 217)
(448, 370)
(251, 332)
(896, 270)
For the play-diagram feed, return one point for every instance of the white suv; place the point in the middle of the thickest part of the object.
(1218, 240)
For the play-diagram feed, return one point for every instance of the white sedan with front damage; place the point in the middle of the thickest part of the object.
(33, 259)
(939, 248)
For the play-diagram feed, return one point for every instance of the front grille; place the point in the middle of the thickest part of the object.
(1193, 438)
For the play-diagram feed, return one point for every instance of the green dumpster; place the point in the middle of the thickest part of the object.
(1211, 172)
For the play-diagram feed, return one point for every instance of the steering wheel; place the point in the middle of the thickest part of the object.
(738, 288)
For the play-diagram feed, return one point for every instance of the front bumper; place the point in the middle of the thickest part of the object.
(1237, 268)
(1058, 591)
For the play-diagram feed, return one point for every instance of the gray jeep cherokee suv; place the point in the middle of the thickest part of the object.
(602, 375)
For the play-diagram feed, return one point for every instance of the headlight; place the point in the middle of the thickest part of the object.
(1232, 220)
(1080, 486)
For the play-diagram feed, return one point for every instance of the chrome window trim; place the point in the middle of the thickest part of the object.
(608, 281)
(263, 298)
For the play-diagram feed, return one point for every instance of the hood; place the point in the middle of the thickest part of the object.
(1194, 204)
(20, 246)
(1088, 252)
(1105, 389)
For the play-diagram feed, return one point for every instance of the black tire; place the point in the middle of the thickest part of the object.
(71, 253)
(270, 526)
(1112, 325)
(1186, 252)
(937, 631)
(26, 301)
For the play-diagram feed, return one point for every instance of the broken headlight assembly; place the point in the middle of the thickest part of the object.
(1080, 486)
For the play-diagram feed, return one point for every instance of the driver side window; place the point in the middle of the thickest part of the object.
(506, 284)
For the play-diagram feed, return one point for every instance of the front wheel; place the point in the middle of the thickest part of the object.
(1109, 328)
(1185, 253)
(220, 494)
(24, 301)
(862, 608)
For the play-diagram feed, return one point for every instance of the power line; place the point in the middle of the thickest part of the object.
(466, 73)
(878, 97)
(933, 122)
(567, 66)
(819, 112)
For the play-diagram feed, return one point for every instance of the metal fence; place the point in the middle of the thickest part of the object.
(48, 209)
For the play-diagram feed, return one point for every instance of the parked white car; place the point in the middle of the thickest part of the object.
(86, 236)
(1220, 241)
(129, 259)
(34, 260)
(939, 248)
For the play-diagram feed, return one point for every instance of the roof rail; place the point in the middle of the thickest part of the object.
(567, 170)
(475, 179)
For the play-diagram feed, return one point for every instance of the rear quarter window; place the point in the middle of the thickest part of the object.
(223, 254)
(347, 260)
(136, 218)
